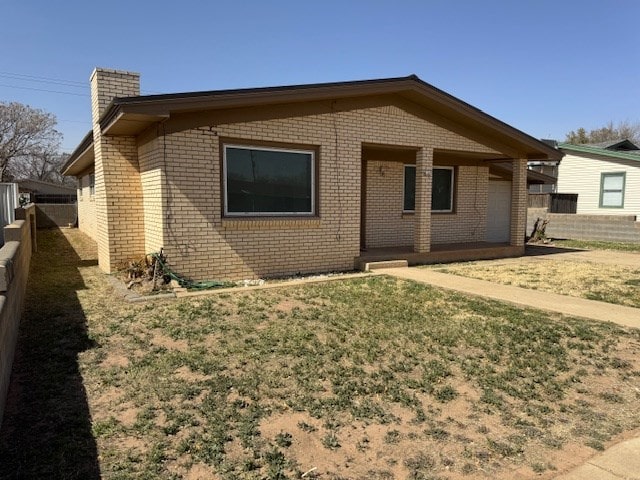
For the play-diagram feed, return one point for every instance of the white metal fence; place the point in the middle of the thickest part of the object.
(8, 204)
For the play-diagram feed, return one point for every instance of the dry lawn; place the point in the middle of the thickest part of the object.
(595, 281)
(372, 378)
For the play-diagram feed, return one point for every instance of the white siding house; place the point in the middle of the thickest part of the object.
(606, 180)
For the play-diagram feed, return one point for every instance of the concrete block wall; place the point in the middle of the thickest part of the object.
(51, 215)
(15, 258)
(606, 228)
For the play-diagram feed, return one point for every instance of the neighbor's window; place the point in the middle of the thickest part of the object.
(268, 181)
(92, 184)
(612, 190)
(441, 189)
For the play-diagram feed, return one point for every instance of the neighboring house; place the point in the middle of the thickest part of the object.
(276, 181)
(46, 191)
(606, 177)
(548, 168)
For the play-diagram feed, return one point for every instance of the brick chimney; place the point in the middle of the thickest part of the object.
(106, 84)
(118, 192)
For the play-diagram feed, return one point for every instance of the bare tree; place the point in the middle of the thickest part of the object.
(45, 166)
(622, 130)
(25, 134)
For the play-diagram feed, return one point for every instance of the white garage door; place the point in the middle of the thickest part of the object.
(499, 211)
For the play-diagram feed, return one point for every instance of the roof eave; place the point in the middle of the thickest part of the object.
(131, 115)
(77, 159)
(599, 151)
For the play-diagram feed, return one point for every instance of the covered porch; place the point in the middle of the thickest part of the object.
(478, 212)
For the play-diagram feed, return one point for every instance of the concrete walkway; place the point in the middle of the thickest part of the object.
(622, 461)
(578, 307)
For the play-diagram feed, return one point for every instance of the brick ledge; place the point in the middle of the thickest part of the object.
(270, 223)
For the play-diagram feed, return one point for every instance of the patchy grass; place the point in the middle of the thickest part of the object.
(368, 378)
(595, 281)
(595, 245)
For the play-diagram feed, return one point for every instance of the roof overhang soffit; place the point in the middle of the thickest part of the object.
(130, 116)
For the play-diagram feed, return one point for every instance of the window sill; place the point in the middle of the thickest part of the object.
(411, 214)
(270, 223)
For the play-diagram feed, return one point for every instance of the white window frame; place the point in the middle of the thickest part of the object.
(268, 214)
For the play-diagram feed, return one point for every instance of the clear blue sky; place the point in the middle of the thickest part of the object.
(545, 67)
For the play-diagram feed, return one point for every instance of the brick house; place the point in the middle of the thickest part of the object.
(276, 181)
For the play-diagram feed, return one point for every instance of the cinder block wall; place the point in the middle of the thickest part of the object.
(606, 228)
(201, 244)
(51, 215)
(15, 258)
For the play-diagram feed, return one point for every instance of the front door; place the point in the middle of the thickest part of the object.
(499, 211)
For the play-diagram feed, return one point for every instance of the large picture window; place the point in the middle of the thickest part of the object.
(612, 190)
(268, 181)
(441, 189)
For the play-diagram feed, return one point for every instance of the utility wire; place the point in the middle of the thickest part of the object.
(44, 90)
(32, 78)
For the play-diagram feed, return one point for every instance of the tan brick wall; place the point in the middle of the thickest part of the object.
(519, 202)
(118, 197)
(201, 244)
(86, 206)
(422, 216)
(150, 157)
(469, 221)
(386, 225)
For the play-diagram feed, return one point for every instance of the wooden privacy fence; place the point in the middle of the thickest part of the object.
(554, 202)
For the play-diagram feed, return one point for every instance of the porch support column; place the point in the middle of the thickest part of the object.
(518, 202)
(422, 218)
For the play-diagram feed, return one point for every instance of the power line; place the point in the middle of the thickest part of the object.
(36, 78)
(44, 90)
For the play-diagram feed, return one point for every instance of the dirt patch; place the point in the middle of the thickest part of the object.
(201, 472)
(169, 343)
(185, 373)
(115, 359)
(128, 414)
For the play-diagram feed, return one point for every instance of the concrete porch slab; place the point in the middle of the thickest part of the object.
(442, 253)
